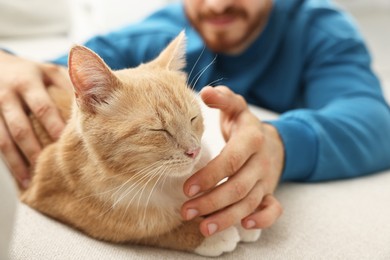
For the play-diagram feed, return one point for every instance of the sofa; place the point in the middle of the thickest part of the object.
(347, 219)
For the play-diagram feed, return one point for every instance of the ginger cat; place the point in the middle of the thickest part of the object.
(133, 137)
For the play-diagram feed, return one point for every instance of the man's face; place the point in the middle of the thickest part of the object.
(228, 26)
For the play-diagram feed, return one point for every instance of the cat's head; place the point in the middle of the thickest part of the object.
(144, 119)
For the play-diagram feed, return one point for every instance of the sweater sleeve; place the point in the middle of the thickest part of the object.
(344, 129)
(127, 47)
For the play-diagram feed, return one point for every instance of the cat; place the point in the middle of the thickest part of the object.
(132, 138)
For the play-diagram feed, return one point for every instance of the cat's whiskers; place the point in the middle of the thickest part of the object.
(196, 63)
(136, 175)
(215, 81)
(135, 185)
(201, 72)
(144, 177)
(140, 190)
(97, 194)
(160, 172)
(146, 184)
(119, 187)
(112, 207)
(151, 192)
(150, 176)
(163, 182)
(104, 179)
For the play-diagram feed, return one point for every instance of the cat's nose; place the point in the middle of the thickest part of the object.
(193, 153)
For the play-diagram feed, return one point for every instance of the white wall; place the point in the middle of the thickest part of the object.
(93, 16)
(21, 18)
(365, 3)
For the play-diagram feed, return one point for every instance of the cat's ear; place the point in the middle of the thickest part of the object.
(91, 77)
(173, 56)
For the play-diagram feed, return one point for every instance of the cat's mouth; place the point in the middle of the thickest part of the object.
(180, 167)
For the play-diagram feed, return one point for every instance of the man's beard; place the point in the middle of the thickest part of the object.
(220, 42)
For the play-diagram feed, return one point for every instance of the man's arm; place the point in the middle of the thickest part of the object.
(345, 129)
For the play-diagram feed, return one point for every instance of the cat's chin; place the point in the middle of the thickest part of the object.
(184, 169)
(182, 172)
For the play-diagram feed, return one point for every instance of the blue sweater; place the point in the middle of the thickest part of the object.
(310, 64)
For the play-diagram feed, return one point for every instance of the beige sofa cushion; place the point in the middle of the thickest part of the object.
(334, 220)
(8, 202)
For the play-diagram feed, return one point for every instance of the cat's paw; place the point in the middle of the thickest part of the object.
(219, 243)
(248, 235)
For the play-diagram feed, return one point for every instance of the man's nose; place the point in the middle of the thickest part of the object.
(218, 6)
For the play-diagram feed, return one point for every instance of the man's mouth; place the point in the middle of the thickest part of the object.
(220, 21)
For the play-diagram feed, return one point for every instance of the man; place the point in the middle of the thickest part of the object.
(303, 59)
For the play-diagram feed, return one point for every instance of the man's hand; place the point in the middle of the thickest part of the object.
(23, 89)
(252, 160)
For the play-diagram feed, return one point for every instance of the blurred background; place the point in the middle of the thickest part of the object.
(43, 29)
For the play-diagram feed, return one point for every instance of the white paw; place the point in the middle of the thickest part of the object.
(215, 245)
(248, 235)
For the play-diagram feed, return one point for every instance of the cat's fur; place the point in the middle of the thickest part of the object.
(131, 140)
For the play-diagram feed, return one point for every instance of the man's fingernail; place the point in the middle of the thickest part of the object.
(218, 91)
(26, 183)
(212, 228)
(194, 189)
(34, 157)
(191, 213)
(250, 224)
(56, 133)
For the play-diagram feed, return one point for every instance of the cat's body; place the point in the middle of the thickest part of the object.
(132, 138)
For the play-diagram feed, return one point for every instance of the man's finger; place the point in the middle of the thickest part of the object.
(20, 129)
(267, 213)
(56, 75)
(223, 98)
(233, 213)
(230, 192)
(234, 155)
(45, 110)
(12, 156)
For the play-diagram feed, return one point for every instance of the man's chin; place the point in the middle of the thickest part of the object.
(221, 47)
(219, 41)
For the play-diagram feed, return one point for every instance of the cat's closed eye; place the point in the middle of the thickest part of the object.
(193, 119)
(161, 130)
